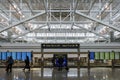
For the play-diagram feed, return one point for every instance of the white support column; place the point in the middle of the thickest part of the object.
(60, 17)
(70, 12)
(46, 9)
(73, 16)
(99, 21)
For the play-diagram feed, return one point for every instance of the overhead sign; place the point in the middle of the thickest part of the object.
(60, 45)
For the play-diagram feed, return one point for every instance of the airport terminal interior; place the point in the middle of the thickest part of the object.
(60, 39)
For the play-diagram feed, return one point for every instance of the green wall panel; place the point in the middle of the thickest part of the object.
(117, 55)
(112, 55)
(102, 55)
(107, 55)
(97, 55)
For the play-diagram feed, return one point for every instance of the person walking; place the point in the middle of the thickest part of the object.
(27, 63)
(10, 62)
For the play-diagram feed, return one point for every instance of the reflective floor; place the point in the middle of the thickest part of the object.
(54, 74)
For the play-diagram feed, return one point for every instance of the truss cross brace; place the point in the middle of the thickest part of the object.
(22, 21)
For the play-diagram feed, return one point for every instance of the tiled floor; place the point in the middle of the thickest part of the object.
(53, 74)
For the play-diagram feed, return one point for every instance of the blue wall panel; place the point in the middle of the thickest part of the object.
(92, 55)
(14, 55)
(8, 54)
(4, 56)
(24, 54)
(19, 56)
(29, 55)
(0, 56)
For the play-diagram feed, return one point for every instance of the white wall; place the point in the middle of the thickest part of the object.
(60, 50)
(37, 47)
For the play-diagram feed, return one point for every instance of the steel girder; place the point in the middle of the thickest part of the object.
(91, 31)
(30, 18)
(99, 21)
(29, 31)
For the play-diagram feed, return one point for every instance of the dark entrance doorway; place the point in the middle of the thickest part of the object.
(60, 60)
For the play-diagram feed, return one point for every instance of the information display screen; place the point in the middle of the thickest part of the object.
(117, 55)
(14, 56)
(102, 55)
(97, 55)
(112, 55)
(29, 55)
(107, 55)
(92, 55)
(19, 56)
(24, 54)
(4, 56)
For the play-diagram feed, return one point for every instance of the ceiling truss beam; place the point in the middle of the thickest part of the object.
(22, 21)
(98, 21)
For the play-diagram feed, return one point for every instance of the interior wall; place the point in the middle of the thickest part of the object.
(24, 47)
(60, 50)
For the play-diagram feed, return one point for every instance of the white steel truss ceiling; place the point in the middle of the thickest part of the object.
(56, 21)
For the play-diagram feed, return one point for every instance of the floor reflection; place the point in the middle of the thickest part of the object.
(54, 74)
